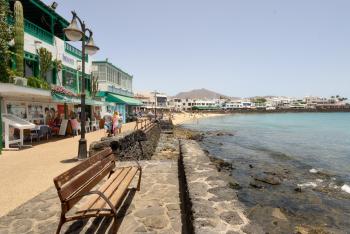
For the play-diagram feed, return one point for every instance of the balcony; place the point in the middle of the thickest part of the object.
(38, 32)
(120, 91)
(34, 30)
(74, 51)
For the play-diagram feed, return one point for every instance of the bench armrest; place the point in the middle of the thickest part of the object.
(136, 161)
(98, 193)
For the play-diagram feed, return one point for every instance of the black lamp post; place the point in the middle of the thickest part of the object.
(74, 33)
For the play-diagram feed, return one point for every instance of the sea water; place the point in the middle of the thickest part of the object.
(309, 152)
(320, 140)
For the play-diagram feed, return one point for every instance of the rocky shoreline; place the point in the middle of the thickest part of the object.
(278, 197)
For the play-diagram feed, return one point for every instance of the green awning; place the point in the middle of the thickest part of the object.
(56, 97)
(119, 99)
(93, 102)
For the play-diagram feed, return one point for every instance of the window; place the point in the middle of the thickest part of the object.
(70, 79)
(30, 68)
(17, 109)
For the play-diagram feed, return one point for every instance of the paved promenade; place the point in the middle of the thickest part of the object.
(28, 172)
(154, 209)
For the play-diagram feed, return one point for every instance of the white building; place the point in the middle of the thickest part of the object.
(152, 100)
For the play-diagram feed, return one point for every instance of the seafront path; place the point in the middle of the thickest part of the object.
(28, 172)
(32, 204)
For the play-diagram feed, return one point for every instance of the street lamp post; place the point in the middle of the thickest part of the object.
(74, 33)
(155, 104)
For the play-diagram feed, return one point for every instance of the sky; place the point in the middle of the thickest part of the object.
(238, 48)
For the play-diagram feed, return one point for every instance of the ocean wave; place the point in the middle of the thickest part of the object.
(313, 170)
(345, 188)
(308, 184)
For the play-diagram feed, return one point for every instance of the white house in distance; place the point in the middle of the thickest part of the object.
(152, 100)
(184, 104)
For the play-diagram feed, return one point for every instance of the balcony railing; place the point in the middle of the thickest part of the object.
(38, 32)
(120, 91)
(74, 51)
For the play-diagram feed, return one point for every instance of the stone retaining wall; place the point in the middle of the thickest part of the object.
(130, 145)
(214, 205)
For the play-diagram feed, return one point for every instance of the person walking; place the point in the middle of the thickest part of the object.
(108, 125)
(120, 123)
(117, 123)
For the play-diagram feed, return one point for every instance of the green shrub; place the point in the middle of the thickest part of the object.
(32, 82)
(37, 82)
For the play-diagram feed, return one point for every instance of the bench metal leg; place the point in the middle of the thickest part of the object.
(139, 182)
(115, 227)
(62, 221)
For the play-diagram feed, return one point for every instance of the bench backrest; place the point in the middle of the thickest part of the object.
(83, 177)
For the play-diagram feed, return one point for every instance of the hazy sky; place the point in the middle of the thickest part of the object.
(236, 47)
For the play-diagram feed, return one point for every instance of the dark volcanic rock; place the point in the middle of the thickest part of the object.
(267, 178)
(256, 184)
(234, 185)
(297, 189)
(196, 137)
(221, 164)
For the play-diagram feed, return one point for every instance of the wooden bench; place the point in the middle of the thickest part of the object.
(79, 182)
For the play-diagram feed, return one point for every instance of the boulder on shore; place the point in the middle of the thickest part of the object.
(268, 178)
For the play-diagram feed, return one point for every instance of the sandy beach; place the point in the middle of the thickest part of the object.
(183, 117)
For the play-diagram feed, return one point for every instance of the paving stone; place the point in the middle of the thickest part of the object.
(232, 232)
(140, 228)
(207, 222)
(22, 226)
(215, 206)
(173, 207)
(231, 217)
(46, 227)
(149, 211)
(156, 222)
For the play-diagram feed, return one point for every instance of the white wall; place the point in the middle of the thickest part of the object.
(58, 52)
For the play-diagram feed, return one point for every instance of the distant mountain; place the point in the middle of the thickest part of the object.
(200, 94)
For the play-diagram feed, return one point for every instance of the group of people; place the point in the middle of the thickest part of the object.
(51, 116)
(53, 120)
(113, 124)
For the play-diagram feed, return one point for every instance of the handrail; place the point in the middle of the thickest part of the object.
(38, 32)
(74, 51)
(144, 122)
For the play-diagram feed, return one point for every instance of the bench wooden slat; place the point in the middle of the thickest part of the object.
(84, 178)
(90, 186)
(101, 208)
(115, 185)
(92, 199)
(74, 171)
(119, 193)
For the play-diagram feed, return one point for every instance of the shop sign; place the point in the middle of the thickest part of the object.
(67, 59)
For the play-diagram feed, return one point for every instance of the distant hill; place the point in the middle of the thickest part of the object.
(200, 94)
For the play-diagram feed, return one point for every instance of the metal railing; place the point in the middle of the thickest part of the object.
(34, 30)
(38, 32)
(74, 51)
(142, 123)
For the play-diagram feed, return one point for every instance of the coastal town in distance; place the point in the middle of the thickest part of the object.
(203, 99)
(191, 117)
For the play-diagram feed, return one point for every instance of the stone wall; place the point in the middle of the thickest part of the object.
(214, 205)
(137, 144)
